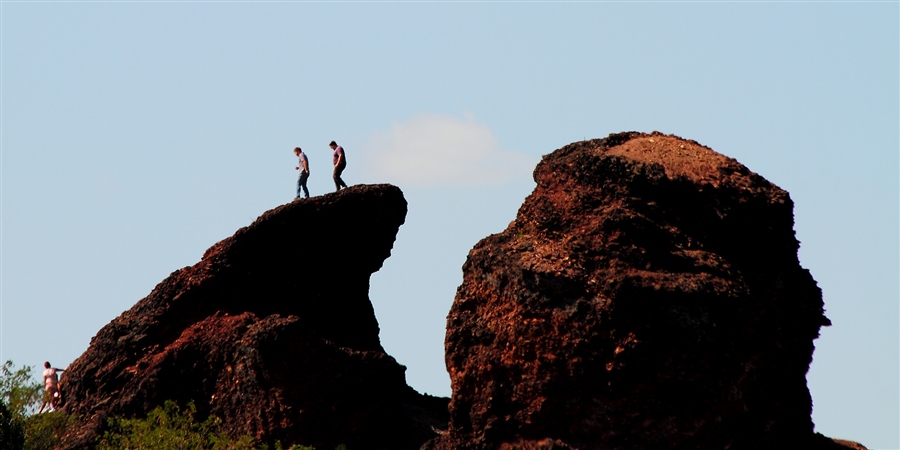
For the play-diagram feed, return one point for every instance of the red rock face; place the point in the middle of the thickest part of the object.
(647, 296)
(272, 331)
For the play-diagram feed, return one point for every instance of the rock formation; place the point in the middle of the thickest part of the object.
(272, 331)
(647, 296)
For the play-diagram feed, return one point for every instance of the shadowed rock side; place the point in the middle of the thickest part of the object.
(647, 296)
(272, 331)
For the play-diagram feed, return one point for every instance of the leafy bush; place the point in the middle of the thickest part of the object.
(19, 391)
(19, 397)
(168, 427)
(20, 427)
(12, 434)
(43, 431)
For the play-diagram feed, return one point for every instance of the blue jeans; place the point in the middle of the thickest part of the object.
(301, 185)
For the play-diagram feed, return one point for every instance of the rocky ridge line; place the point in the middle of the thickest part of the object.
(272, 331)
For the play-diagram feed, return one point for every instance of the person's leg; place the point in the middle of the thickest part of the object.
(338, 182)
(337, 178)
(46, 401)
(302, 182)
(55, 400)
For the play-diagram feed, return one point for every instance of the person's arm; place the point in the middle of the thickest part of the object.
(340, 159)
(306, 166)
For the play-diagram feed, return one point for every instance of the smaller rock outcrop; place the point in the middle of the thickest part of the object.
(272, 331)
(648, 295)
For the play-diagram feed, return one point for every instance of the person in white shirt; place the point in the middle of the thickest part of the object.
(51, 387)
(303, 167)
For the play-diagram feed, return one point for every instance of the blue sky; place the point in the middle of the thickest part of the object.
(137, 134)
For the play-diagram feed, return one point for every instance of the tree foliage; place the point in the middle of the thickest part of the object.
(170, 427)
(44, 431)
(21, 393)
(167, 427)
(12, 433)
(20, 398)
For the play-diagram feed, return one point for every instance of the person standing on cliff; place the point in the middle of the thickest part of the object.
(340, 163)
(51, 387)
(303, 167)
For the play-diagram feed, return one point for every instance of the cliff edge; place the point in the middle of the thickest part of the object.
(272, 332)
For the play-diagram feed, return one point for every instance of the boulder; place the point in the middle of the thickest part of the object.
(648, 295)
(272, 332)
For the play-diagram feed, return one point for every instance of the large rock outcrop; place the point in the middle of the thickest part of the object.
(272, 331)
(648, 295)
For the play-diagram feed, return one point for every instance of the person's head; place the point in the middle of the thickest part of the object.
(297, 150)
(47, 364)
(333, 145)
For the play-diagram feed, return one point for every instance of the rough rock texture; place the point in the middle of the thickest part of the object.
(272, 331)
(647, 296)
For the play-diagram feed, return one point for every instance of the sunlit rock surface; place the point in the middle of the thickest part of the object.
(272, 331)
(648, 295)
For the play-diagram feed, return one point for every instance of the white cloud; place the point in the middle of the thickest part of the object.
(443, 151)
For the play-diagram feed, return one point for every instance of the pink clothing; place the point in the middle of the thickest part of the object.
(51, 379)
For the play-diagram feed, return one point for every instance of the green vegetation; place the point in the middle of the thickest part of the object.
(166, 427)
(12, 434)
(20, 393)
(43, 431)
(20, 398)
(169, 427)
